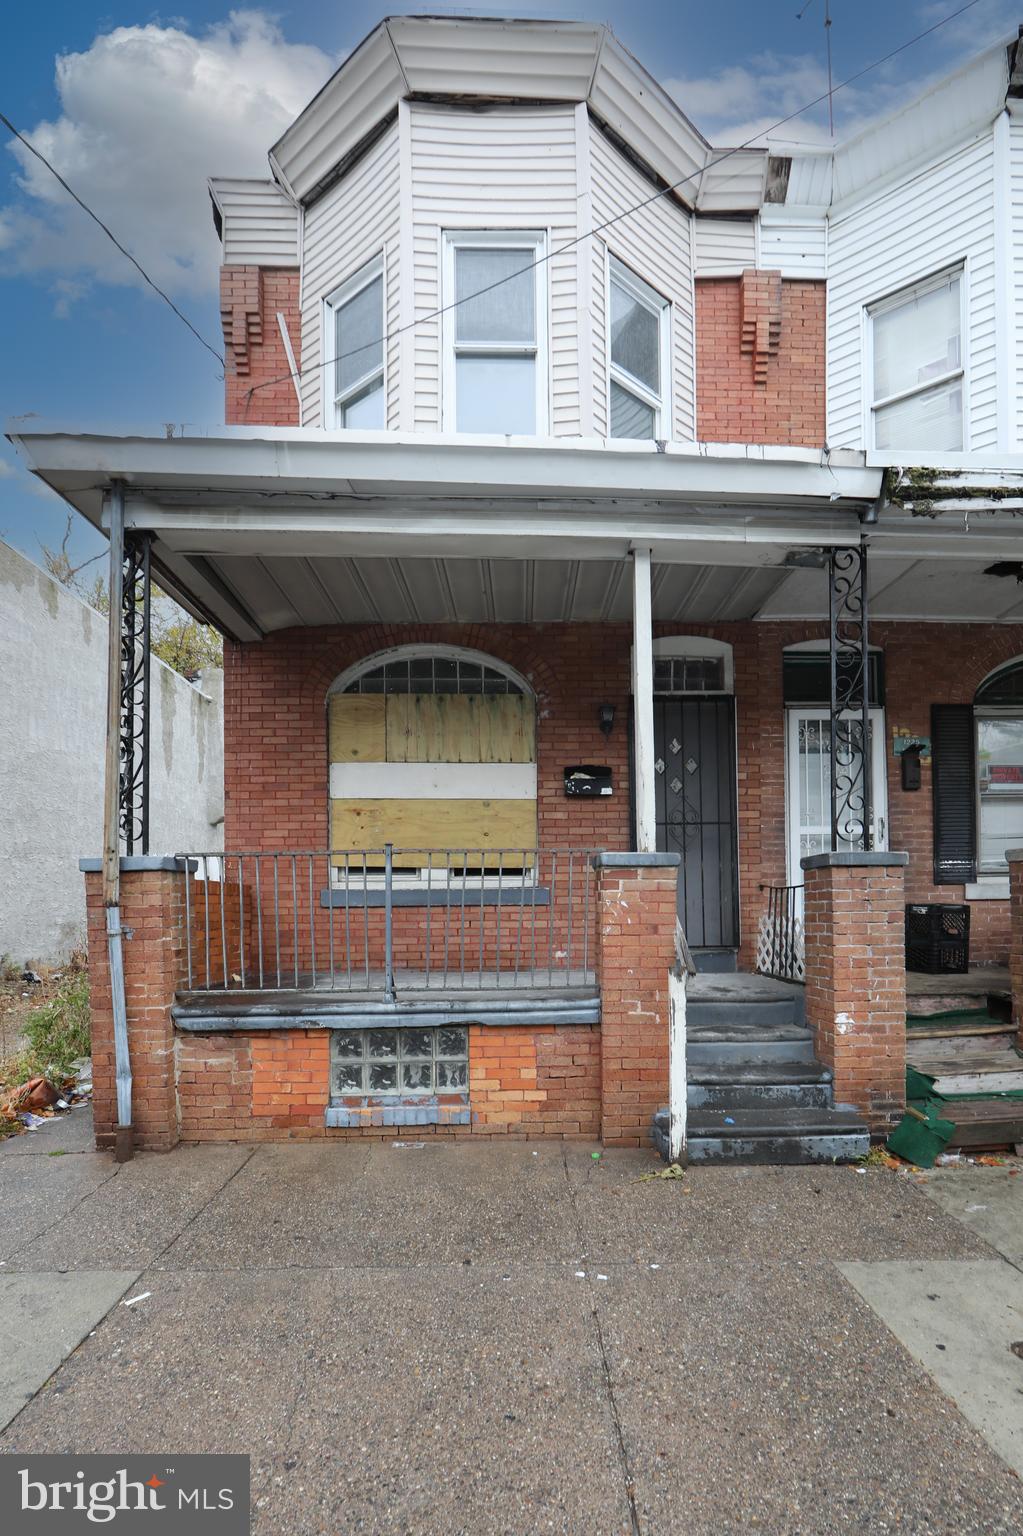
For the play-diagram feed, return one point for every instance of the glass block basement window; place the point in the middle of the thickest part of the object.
(398, 1063)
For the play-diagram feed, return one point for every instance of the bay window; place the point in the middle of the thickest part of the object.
(639, 352)
(916, 366)
(354, 339)
(495, 332)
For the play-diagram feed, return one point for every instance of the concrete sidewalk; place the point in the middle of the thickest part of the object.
(497, 1337)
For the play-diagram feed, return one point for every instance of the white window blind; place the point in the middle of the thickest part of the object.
(917, 367)
(639, 347)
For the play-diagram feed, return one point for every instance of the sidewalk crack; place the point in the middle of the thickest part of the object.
(628, 1480)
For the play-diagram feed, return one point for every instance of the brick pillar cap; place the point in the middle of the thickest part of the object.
(138, 863)
(1014, 855)
(853, 860)
(636, 860)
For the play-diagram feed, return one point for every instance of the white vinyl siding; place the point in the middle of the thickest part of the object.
(795, 247)
(346, 228)
(260, 224)
(501, 169)
(724, 247)
(941, 217)
(656, 244)
(1015, 373)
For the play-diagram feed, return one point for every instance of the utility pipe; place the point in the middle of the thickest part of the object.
(124, 1148)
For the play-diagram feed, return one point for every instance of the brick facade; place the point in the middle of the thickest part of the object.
(276, 786)
(760, 346)
(250, 300)
(856, 980)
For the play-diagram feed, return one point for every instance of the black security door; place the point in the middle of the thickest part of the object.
(694, 745)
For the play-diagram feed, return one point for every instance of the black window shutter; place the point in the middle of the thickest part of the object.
(955, 805)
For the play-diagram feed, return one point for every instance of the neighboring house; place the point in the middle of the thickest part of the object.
(53, 662)
(553, 432)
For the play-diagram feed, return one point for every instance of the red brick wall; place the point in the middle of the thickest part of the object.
(153, 948)
(760, 344)
(250, 299)
(274, 1086)
(637, 952)
(856, 985)
(276, 753)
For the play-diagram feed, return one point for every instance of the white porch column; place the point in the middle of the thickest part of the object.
(643, 701)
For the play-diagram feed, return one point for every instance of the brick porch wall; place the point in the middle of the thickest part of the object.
(535, 1081)
(856, 979)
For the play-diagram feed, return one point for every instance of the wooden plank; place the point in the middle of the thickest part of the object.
(439, 824)
(355, 727)
(433, 781)
(433, 728)
(507, 728)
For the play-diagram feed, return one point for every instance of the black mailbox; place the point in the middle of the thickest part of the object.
(583, 781)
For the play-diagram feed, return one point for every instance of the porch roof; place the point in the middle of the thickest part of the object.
(263, 528)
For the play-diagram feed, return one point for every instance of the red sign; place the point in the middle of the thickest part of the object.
(1005, 773)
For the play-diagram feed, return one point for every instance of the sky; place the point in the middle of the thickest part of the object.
(136, 108)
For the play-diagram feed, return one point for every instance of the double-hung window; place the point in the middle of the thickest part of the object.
(355, 337)
(639, 322)
(916, 353)
(495, 332)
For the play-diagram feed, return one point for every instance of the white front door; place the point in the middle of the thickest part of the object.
(808, 782)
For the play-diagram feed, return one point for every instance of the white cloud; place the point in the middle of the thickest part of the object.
(743, 101)
(147, 113)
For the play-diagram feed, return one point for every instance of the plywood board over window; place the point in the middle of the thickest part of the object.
(433, 771)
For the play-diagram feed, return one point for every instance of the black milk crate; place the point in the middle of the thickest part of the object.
(937, 938)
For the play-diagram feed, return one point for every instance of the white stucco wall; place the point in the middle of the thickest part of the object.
(52, 711)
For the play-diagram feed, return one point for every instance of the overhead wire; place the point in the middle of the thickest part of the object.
(111, 236)
(388, 336)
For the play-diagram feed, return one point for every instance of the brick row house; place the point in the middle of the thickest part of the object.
(614, 537)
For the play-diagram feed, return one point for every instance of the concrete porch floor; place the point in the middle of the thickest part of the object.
(502, 1337)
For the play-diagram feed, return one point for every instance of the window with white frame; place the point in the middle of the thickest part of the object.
(998, 714)
(495, 332)
(916, 366)
(639, 348)
(355, 338)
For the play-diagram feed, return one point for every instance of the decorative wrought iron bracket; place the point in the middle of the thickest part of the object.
(851, 812)
(133, 797)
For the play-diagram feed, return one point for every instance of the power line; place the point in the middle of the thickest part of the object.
(598, 229)
(110, 236)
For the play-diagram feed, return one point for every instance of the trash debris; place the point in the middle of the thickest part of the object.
(32, 976)
(142, 1296)
(30, 1121)
(948, 1159)
(655, 1266)
(580, 1274)
(729, 1120)
(601, 1277)
(673, 1171)
(409, 1146)
(921, 1135)
(976, 1208)
(595, 1156)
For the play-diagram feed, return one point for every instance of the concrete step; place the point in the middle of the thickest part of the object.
(738, 1050)
(715, 962)
(775, 1136)
(759, 1015)
(778, 1085)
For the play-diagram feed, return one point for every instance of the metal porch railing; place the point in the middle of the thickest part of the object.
(780, 947)
(387, 919)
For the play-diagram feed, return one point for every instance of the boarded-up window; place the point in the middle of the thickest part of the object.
(432, 752)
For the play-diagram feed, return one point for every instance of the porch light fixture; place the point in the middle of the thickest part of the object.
(606, 718)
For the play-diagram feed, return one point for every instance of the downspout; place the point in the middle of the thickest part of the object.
(124, 1148)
